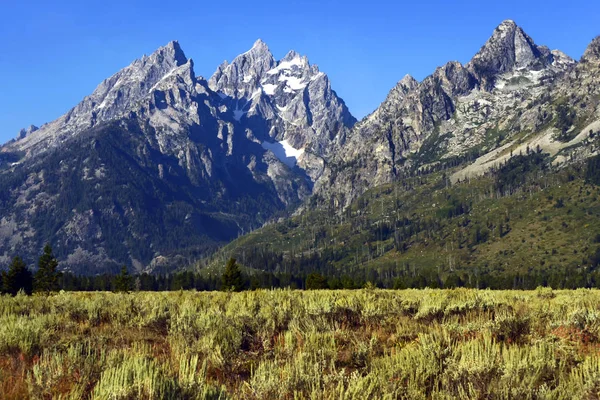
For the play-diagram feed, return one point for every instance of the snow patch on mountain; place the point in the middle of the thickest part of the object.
(284, 151)
(292, 82)
(269, 88)
(286, 65)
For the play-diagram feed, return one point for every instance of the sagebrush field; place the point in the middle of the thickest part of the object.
(284, 344)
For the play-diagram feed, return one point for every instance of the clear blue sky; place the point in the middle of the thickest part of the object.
(53, 53)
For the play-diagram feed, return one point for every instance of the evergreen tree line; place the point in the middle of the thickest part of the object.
(47, 279)
(20, 278)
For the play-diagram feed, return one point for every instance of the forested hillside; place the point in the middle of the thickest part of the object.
(524, 224)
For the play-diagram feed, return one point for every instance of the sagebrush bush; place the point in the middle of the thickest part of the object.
(280, 344)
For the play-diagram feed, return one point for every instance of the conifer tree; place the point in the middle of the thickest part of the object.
(18, 277)
(316, 281)
(232, 277)
(123, 281)
(2, 280)
(46, 277)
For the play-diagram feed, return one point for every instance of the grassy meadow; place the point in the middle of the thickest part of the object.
(284, 344)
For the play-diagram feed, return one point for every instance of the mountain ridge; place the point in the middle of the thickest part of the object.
(176, 130)
(207, 160)
(468, 102)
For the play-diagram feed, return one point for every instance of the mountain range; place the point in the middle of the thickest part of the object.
(158, 167)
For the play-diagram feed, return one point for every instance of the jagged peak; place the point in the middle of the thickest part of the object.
(180, 74)
(592, 52)
(398, 92)
(148, 69)
(26, 131)
(558, 53)
(174, 45)
(508, 48)
(559, 58)
(450, 65)
(507, 24)
(408, 82)
(508, 27)
(291, 55)
(260, 44)
(295, 58)
(258, 54)
(243, 70)
(259, 47)
(504, 38)
(172, 51)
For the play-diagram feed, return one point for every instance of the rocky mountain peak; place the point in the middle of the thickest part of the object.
(508, 49)
(455, 78)
(260, 45)
(171, 55)
(408, 82)
(113, 98)
(124, 89)
(172, 49)
(292, 54)
(561, 59)
(26, 131)
(402, 88)
(507, 25)
(287, 103)
(592, 53)
(240, 78)
(259, 52)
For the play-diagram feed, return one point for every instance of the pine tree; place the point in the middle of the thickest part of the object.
(18, 277)
(123, 281)
(232, 277)
(316, 281)
(46, 277)
(2, 280)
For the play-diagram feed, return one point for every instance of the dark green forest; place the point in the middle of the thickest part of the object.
(524, 224)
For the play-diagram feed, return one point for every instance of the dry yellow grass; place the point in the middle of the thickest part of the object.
(285, 344)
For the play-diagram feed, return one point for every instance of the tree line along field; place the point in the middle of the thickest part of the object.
(287, 344)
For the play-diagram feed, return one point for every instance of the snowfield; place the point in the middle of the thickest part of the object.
(284, 151)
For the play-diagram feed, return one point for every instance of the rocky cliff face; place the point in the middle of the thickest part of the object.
(286, 103)
(505, 98)
(152, 169)
(592, 52)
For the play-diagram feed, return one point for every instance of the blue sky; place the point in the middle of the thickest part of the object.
(52, 54)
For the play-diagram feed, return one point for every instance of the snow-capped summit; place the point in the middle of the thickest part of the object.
(289, 100)
(292, 54)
